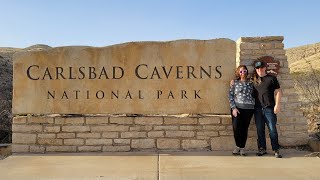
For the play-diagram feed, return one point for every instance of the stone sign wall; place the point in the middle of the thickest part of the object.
(141, 124)
(185, 76)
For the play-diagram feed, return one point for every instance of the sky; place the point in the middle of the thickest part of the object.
(106, 22)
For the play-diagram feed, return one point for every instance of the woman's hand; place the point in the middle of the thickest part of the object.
(231, 83)
(235, 112)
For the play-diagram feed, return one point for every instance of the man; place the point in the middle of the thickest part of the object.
(267, 105)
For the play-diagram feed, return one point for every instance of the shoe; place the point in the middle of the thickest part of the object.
(261, 152)
(277, 154)
(242, 152)
(236, 151)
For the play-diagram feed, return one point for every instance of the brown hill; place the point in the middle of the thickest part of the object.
(304, 58)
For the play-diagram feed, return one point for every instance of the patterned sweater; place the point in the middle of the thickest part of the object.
(241, 95)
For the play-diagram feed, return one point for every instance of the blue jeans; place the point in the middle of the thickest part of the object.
(266, 116)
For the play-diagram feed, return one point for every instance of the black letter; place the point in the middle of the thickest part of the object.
(102, 94)
(179, 72)
(70, 73)
(103, 72)
(137, 73)
(196, 94)
(92, 72)
(128, 94)
(47, 72)
(202, 70)
(114, 72)
(220, 74)
(28, 72)
(183, 94)
(59, 72)
(159, 93)
(190, 71)
(116, 95)
(64, 95)
(155, 71)
(81, 72)
(49, 93)
(76, 93)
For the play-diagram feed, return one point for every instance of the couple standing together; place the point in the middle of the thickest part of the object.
(260, 96)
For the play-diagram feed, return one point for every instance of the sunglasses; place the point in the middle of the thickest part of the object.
(243, 71)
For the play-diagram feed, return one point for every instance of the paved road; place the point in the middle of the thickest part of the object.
(163, 166)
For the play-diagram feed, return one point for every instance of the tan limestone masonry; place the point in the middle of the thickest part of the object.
(40, 126)
(292, 126)
(173, 77)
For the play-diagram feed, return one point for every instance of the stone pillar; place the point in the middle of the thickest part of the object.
(292, 126)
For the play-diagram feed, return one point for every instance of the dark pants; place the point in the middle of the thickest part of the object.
(266, 116)
(240, 126)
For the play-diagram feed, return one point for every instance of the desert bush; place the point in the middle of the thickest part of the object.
(307, 83)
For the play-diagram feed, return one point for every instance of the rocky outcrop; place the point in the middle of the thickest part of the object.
(6, 54)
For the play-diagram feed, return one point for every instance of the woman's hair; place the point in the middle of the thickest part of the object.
(256, 78)
(237, 72)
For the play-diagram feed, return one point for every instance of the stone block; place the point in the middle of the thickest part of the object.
(148, 120)
(66, 135)
(266, 45)
(73, 142)
(179, 134)
(49, 129)
(226, 119)
(190, 128)
(140, 128)
(278, 45)
(159, 128)
(293, 141)
(75, 129)
(21, 138)
(88, 135)
(208, 133)
(61, 148)
(103, 128)
(225, 143)
(153, 134)
(144, 97)
(210, 120)
(116, 148)
(194, 144)
(133, 134)
(121, 120)
(69, 120)
(110, 135)
(47, 136)
(19, 120)
(143, 143)
(226, 133)
(40, 120)
(168, 143)
(50, 141)
(89, 148)
(98, 141)
(37, 149)
(97, 120)
(26, 128)
(121, 141)
(303, 128)
(178, 121)
(214, 128)
(245, 46)
(17, 148)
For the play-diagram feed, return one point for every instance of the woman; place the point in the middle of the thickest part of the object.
(242, 108)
